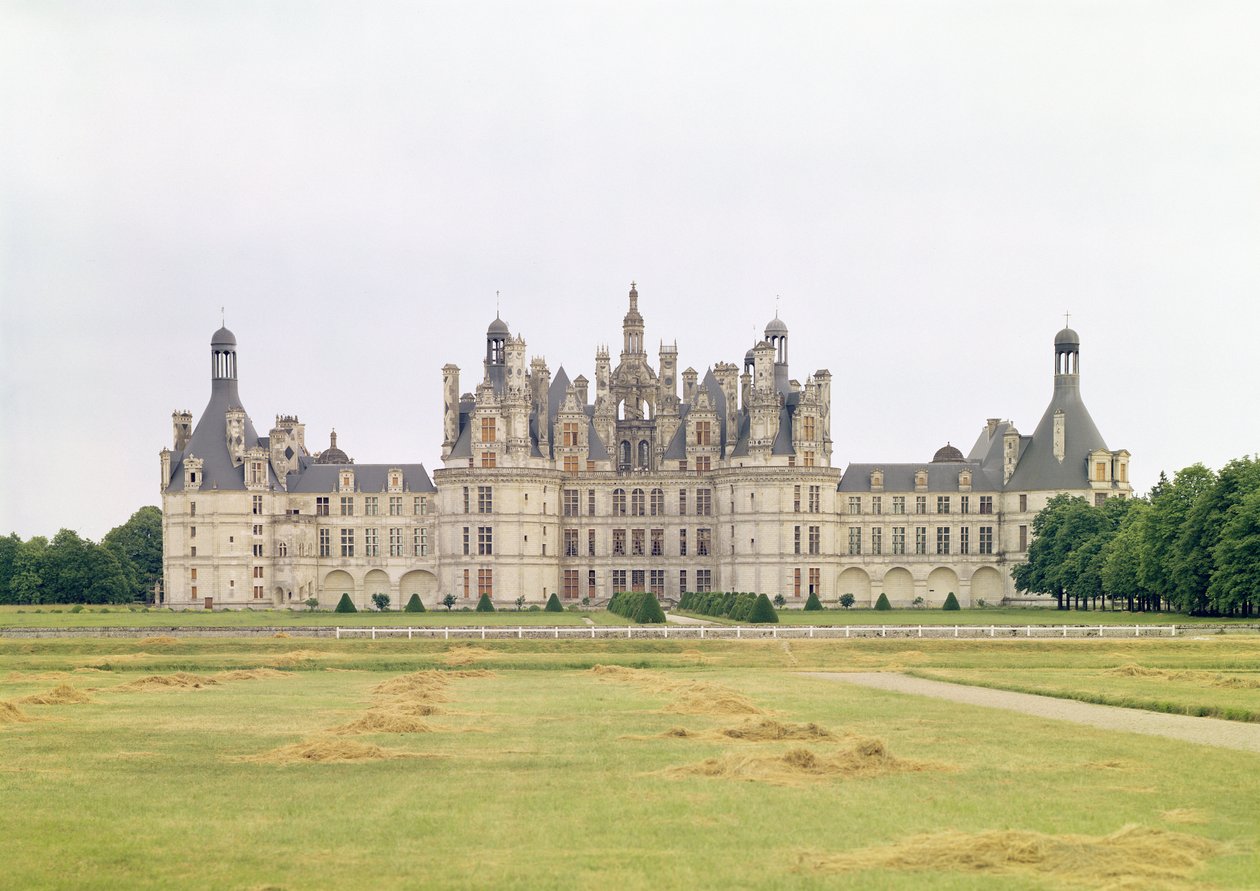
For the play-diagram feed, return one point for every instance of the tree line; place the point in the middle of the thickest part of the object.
(1192, 545)
(123, 567)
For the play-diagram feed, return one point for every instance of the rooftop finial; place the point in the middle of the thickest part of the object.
(496, 304)
(1067, 317)
(222, 317)
(776, 306)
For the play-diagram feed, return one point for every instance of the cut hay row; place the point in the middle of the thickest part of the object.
(1133, 856)
(690, 697)
(866, 757)
(382, 720)
(1211, 678)
(760, 730)
(62, 694)
(11, 714)
(181, 680)
(324, 751)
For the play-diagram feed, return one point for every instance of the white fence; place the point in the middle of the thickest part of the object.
(763, 632)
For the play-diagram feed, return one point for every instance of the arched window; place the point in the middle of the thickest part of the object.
(619, 502)
(643, 453)
(625, 454)
(636, 503)
(658, 503)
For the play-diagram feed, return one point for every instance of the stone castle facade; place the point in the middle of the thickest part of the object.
(715, 482)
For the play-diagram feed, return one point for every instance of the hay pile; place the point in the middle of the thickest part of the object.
(159, 641)
(466, 655)
(384, 720)
(181, 680)
(11, 714)
(1133, 855)
(690, 697)
(420, 685)
(866, 757)
(768, 729)
(295, 657)
(253, 674)
(62, 694)
(324, 751)
(1187, 815)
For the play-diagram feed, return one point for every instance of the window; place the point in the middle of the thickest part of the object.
(1023, 504)
(590, 542)
(257, 503)
(258, 550)
(899, 504)
(809, 459)
(704, 579)
(703, 464)
(855, 540)
(877, 541)
(619, 502)
(347, 505)
(855, 504)
(465, 583)
(986, 504)
(1100, 471)
(636, 542)
(370, 505)
(637, 503)
(371, 546)
(282, 549)
(590, 502)
(807, 427)
(796, 582)
(682, 502)
(704, 542)
(395, 542)
(682, 542)
(815, 499)
(796, 499)
(657, 584)
(420, 542)
(395, 505)
(1100, 498)
(570, 438)
(258, 529)
(467, 500)
(569, 502)
(192, 574)
(920, 504)
(487, 430)
(986, 539)
(920, 539)
(658, 542)
(570, 589)
(485, 582)
(619, 543)
(964, 504)
(325, 542)
(485, 541)
(815, 539)
(347, 542)
(815, 581)
(899, 539)
(192, 552)
(590, 584)
(1023, 538)
(467, 539)
(421, 506)
(703, 433)
(571, 464)
(192, 508)
(942, 504)
(704, 502)
(638, 579)
(485, 499)
(258, 592)
(942, 539)
(964, 540)
(877, 504)
(656, 503)
(796, 539)
(682, 581)
(618, 580)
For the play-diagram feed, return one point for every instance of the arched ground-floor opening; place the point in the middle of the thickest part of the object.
(898, 584)
(421, 582)
(856, 582)
(375, 582)
(986, 585)
(941, 582)
(336, 583)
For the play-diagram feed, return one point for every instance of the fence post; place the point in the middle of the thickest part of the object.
(1174, 630)
(846, 630)
(702, 632)
(592, 632)
(737, 631)
(557, 632)
(920, 631)
(628, 627)
(338, 635)
(811, 630)
(955, 631)
(1137, 630)
(883, 630)
(520, 632)
(992, 631)
(1065, 631)
(1030, 631)
(446, 634)
(408, 634)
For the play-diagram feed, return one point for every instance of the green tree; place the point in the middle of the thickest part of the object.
(10, 555)
(449, 601)
(520, 602)
(414, 605)
(762, 612)
(1066, 524)
(553, 604)
(1195, 562)
(812, 603)
(345, 605)
(1162, 559)
(780, 601)
(1236, 580)
(1123, 557)
(74, 570)
(951, 602)
(137, 544)
(484, 604)
(882, 603)
(380, 601)
(847, 600)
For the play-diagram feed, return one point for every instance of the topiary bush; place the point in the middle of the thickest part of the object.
(812, 602)
(553, 604)
(951, 602)
(883, 604)
(345, 605)
(484, 605)
(638, 606)
(762, 612)
(414, 605)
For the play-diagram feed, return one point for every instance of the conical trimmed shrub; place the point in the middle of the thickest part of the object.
(345, 605)
(812, 603)
(762, 612)
(553, 604)
(951, 602)
(882, 603)
(649, 611)
(414, 605)
(484, 605)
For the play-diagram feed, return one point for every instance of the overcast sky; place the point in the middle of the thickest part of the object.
(926, 186)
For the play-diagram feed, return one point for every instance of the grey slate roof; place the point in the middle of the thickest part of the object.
(1038, 468)
(899, 478)
(321, 478)
(209, 441)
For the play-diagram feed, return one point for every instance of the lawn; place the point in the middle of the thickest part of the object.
(986, 616)
(532, 770)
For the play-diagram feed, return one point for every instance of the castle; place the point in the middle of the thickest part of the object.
(728, 486)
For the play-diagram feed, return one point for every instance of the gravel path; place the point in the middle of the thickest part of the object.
(1204, 731)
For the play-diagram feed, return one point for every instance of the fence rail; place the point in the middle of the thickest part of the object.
(762, 632)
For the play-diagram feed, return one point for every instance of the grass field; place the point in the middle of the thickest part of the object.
(525, 768)
(986, 616)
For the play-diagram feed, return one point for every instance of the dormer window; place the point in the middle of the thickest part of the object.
(920, 479)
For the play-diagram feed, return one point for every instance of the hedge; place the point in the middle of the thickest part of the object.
(951, 602)
(738, 606)
(812, 603)
(637, 606)
(883, 604)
